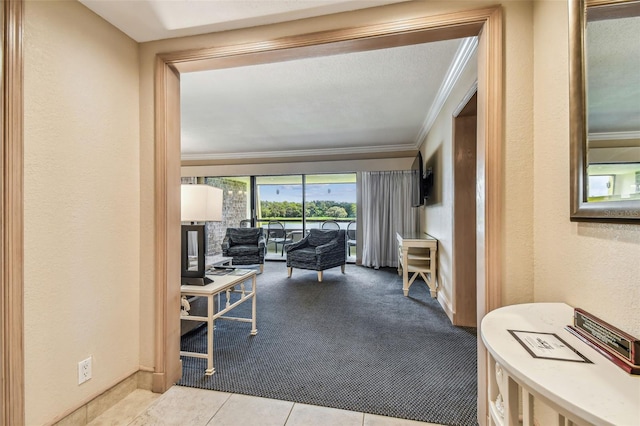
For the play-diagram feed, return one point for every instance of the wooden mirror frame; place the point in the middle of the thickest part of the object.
(581, 209)
(12, 389)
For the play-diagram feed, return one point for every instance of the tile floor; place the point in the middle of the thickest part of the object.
(194, 407)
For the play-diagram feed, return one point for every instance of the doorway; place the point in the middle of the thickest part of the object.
(465, 124)
(485, 23)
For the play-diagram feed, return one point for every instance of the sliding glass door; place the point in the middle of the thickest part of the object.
(330, 198)
(293, 203)
(279, 201)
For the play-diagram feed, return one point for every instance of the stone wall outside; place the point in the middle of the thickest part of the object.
(234, 209)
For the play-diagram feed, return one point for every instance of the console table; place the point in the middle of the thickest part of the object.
(595, 392)
(198, 304)
(417, 254)
(221, 284)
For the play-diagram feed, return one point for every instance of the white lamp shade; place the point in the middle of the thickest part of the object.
(200, 203)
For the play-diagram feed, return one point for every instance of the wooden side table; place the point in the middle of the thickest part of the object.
(417, 254)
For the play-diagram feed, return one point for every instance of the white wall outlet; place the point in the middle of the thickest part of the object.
(84, 370)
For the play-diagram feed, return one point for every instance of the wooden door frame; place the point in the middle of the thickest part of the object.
(12, 248)
(463, 314)
(487, 23)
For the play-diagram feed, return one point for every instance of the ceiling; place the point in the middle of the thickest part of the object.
(148, 20)
(363, 104)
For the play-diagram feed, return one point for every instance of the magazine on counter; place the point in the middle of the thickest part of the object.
(228, 271)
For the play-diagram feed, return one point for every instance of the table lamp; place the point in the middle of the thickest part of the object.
(199, 203)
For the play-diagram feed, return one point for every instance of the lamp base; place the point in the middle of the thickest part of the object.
(196, 281)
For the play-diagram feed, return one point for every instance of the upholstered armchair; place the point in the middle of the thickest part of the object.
(320, 250)
(246, 246)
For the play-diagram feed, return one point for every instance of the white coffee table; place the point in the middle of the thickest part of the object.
(221, 284)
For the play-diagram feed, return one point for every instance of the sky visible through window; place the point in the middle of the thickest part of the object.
(341, 192)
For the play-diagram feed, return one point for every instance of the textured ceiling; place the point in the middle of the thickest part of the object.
(375, 100)
(374, 103)
(148, 20)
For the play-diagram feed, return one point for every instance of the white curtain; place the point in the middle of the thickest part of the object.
(386, 209)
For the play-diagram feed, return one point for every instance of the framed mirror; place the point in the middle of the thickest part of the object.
(604, 90)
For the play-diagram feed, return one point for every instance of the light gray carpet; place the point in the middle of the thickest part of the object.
(352, 342)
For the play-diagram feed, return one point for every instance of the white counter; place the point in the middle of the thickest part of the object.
(593, 393)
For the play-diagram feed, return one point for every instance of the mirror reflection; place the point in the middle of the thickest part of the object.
(192, 256)
(612, 67)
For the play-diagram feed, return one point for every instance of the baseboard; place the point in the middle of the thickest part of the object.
(145, 379)
(446, 305)
(97, 405)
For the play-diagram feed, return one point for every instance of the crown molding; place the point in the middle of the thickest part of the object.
(466, 49)
(610, 136)
(467, 97)
(300, 152)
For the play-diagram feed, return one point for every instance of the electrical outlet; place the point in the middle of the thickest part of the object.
(84, 370)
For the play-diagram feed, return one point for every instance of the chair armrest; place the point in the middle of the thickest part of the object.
(330, 246)
(262, 241)
(294, 246)
(226, 243)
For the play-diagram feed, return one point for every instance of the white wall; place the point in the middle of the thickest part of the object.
(437, 216)
(81, 206)
(517, 165)
(594, 266)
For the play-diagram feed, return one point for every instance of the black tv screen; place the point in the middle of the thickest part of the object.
(417, 182)
(427, 184)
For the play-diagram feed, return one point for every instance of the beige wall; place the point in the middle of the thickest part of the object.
(81, 204)
(518, 151)
(589, 265)
(89, 183)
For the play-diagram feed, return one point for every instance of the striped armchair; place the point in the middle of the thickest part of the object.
(321, 249)
(247, 246)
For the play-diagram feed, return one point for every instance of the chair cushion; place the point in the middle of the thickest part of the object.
(305, 254)
(244, 236)
(318, 237)
(241, 250)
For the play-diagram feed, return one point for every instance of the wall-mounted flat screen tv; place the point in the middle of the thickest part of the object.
(417, 182)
